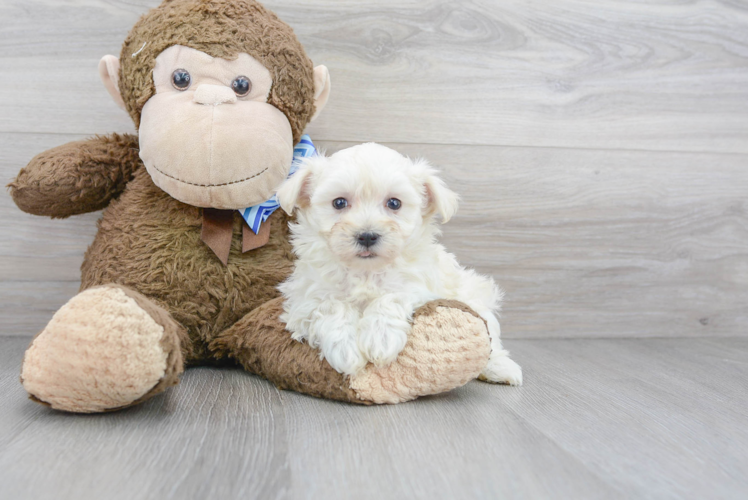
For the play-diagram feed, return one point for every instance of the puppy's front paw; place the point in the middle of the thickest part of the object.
(381, 338)
(344, 356)
(501, 370)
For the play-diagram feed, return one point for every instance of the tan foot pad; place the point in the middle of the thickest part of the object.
(99, 352)
(447, 347)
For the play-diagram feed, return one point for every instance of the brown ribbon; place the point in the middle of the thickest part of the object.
(218, 231)
(250, 240)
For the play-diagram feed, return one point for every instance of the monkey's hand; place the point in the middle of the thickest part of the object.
(78, 177)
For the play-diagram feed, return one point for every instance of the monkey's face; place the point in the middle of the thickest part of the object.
(208, 136)
(219, 90)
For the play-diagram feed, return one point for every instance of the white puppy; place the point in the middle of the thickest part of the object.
(365, 238)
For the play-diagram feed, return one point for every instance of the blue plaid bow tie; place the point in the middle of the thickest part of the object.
(258, 214)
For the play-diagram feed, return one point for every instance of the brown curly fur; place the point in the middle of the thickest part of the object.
(220, 28)
(254, 342)
(77, 177)
(149, 243)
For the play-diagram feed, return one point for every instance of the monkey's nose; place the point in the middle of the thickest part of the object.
(367, 240)
(214, 95)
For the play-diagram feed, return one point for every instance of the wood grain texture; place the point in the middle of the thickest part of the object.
(648, 418)
(586, 243)
(657, 75)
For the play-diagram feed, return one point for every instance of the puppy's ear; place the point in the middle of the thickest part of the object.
(439, 198)
(294, 192)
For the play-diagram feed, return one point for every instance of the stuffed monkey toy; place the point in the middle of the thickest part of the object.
(220, 92)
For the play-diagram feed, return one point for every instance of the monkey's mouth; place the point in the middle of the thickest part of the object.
(210, 185)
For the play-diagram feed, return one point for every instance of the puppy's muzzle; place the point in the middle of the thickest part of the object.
(367, 239)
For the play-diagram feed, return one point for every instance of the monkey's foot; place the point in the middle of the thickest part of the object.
(447, 347)
(107, 348)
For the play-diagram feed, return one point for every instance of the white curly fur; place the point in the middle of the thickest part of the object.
(355, 303)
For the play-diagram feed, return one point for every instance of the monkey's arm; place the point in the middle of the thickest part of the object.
(77, 177)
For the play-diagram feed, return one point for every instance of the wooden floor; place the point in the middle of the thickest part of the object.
(604, 418)
(601, 152)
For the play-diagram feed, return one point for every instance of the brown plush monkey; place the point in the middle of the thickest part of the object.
(220, 91)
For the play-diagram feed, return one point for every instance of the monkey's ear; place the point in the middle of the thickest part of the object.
(322, 86)
(295, 190)
(109, 73)
(440, 199)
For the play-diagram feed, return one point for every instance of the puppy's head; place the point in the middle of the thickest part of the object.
(367, 202)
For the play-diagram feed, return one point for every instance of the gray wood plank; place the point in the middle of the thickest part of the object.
(656, 75)
(27, 306)
(15, 413)
(654, 401)
(225, 434)
(38, 248)
(587, 243)
(636, 418)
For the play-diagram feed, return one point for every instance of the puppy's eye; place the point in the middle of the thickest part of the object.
(241, 85)
(181, 79)
(394, 204)
(339, 203)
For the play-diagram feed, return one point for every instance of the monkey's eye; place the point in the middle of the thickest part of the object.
(339, 203)
(241, 85)
(394, 204)
(180, 79)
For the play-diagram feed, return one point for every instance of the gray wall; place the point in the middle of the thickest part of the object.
(601, 153)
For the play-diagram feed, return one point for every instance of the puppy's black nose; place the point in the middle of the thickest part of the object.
(368, 239)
